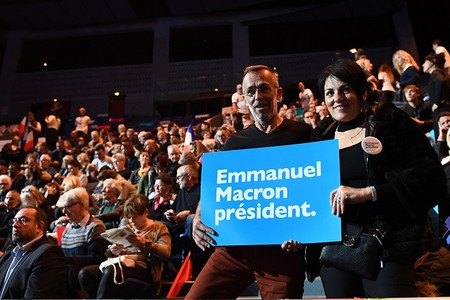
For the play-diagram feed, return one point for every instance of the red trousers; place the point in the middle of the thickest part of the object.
(230, 270)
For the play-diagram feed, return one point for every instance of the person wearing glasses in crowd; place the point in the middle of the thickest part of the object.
(310, 118)
(81, 241)
(181, 214)
(187, 198)
(229, 270)
(164, 197)
(223, 133)
(33, 267)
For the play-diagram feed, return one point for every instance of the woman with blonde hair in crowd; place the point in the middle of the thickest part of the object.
(70, 182)
(408, 69)
(84, 161)
(119, 161)
(31, 196)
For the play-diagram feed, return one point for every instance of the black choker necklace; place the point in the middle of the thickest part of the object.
(356, 122)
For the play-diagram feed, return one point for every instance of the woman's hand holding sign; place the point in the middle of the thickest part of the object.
(349, 195)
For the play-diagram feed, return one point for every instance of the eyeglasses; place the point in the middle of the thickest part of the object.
(69, 207)
(180, 177)
(26, 190)
(22, 220)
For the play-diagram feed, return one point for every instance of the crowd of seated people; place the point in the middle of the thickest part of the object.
(99, 180)
(85, 184)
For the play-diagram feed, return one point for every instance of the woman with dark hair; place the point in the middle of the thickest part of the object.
(33, 127)
(160, 166)
(163, 198)
(390, 178)
(52, 131)
(75, 169)
(387, 79)
(129, 151)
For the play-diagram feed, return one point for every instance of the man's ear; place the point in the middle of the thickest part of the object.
(41, 226)
(279, 93)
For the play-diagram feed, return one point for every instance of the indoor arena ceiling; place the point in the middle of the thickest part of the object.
(64, 14)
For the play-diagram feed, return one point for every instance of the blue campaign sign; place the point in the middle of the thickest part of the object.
(266, 196)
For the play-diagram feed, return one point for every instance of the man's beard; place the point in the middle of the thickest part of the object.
(17, 239)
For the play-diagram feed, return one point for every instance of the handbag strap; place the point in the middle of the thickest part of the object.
(355, 230)
(122, 280)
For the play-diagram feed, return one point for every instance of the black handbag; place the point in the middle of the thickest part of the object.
(359, 253)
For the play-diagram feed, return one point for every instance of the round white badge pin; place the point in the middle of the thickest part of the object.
(371, 145)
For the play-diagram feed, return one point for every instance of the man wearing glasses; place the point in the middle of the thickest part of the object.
(33, 267)
(81, 242)
(181, 215)
(187, 198)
